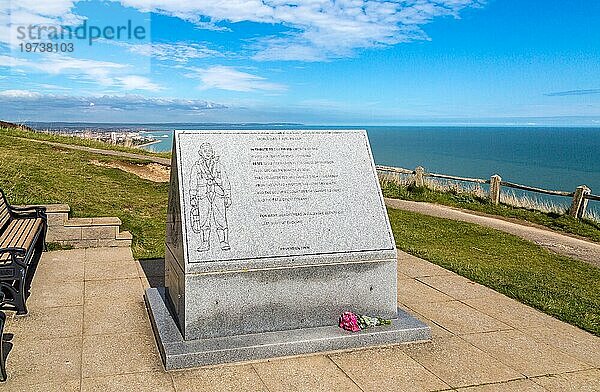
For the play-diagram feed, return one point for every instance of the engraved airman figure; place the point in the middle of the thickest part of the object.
(210, 197)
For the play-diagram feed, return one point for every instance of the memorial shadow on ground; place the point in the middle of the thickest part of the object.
(154, 269)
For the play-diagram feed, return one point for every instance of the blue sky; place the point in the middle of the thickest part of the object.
(312, 61)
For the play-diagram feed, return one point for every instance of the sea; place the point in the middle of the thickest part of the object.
(556, 158)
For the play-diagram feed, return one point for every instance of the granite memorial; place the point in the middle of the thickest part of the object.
(271, 236)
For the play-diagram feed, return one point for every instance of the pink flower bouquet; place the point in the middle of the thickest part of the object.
(355, 322)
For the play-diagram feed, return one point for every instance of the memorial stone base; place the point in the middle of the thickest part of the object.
(178, 353)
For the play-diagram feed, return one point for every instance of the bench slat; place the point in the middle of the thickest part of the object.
(10, 232)
(29, 233)
(4, 213)
(20, 233)
(13, 229)
(17, 232)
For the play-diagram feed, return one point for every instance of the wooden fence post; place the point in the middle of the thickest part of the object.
(495, 189)
(419, 177)
(579, 204)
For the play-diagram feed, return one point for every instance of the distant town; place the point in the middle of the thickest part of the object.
(117, 136)
(121, 138)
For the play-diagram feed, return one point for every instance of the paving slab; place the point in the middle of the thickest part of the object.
(460, 364)
(151, 267)
(156, 381)
(458, 317)
(510, 386)
(387, 369)
(510, 312)
(585, 381)
(56, 386)
(311, 374)
(72, 256)
(38, 361)
(114, 253)
(61, 294)
(457, 287)
(101, 317)
(230, 378)
(411, 292)
(152, 281)
(61, 266)
(415, 267)
(105, 355)
(111, 269)
(437, 331)
(525, 354)
(48, 323)
(570, 340)
(112, 291)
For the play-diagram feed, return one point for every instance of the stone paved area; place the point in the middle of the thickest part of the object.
(88, 331)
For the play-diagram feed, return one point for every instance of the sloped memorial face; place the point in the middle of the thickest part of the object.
(271, 236)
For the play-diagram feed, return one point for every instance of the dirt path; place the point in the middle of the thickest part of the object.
(148, 171)
(162, 161)
(556, 242)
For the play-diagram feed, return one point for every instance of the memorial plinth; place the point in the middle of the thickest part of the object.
(271, 236)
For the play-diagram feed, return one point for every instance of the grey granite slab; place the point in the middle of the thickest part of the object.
(271, 198)
(178, 353)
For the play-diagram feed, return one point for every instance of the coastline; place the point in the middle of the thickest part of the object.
(148, 144)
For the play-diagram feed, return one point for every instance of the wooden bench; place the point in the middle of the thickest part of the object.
(22, 241)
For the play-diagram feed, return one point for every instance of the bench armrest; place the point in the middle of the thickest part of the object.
(29, 212)
(16, 254)
(13, 251)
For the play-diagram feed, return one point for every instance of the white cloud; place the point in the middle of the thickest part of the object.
(57, 64)
(229, 78)
(31, 106)
(180, 52)
(135, 82)
(105, 73)
(319, 29)
(54, 8)
(23, 100)
(31, 12)
(19, 94)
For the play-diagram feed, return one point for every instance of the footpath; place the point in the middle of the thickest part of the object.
(162, 161)
(556, 242)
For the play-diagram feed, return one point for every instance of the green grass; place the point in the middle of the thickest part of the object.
(33, 173)
(561, 222)
(560, 286)
(51, 246)
(77, 141)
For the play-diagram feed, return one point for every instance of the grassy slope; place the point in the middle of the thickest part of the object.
(560, 286)
(34, 173)
(565, 223)
(17, 132)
